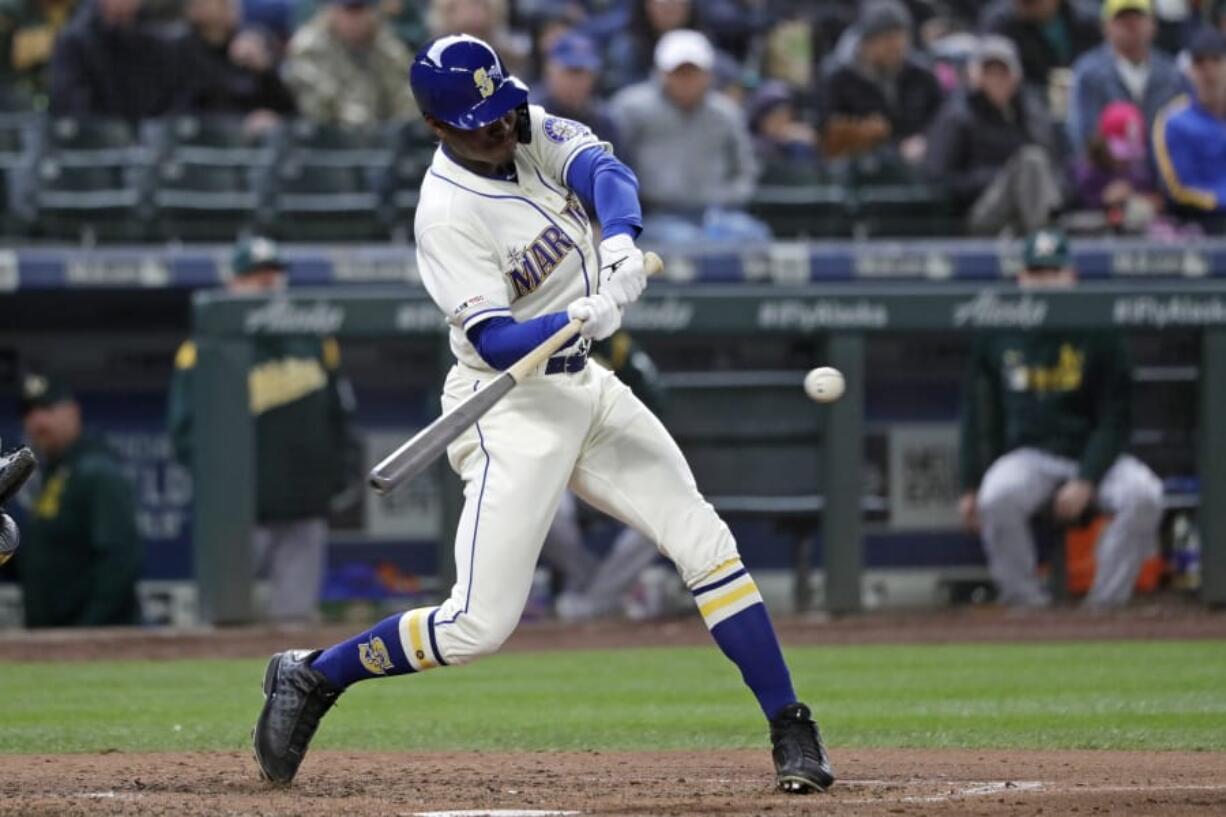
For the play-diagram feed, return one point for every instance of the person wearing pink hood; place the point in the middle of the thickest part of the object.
(1115, 174)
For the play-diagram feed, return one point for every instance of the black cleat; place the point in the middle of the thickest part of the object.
(296, 697)
(801, 763)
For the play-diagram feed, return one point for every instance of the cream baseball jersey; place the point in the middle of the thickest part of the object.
(521, 247)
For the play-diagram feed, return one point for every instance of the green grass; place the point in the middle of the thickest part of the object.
(1120, 695)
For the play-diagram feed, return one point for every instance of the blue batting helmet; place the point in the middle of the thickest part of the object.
(460, 80)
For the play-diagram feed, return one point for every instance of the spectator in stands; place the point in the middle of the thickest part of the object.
(1124, 68)
(1046, 420)
(275, 18)
(1190, 135)
(1049, 34)
(785, 146)
(27, 38)
(82, 553)
(568, 88)
(107, 64)
(630, 52)
(882, 95)
(346, 67)
(993, 146)
(302, 410)
(407, 19)
(689, 146)
(486, 20)
(232, 71)
(1114, 175)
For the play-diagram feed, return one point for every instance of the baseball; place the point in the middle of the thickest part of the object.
(824, 384)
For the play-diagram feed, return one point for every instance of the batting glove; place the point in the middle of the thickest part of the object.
(621, 269)
(600, 314)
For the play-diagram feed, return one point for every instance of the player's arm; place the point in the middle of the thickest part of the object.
(609, 188)
(571, 154)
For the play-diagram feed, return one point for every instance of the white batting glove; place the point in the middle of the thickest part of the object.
(621, 269)
(600, 314)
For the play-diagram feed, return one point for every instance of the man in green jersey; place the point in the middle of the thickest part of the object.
(1046, 423)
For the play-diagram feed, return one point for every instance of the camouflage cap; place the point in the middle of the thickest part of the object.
(1046, 249)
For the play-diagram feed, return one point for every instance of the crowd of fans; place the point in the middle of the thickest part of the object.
(1108, 115)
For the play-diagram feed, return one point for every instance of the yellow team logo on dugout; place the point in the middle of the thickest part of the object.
(374, 656)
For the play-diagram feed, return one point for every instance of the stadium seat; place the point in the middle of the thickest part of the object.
(16, 138)
(313, 143)
(910, 210)
(203, 202)
(399, 184)
(81, 202)
(813, 211)
(87, 142)
(16, 148)
(322, 203)
(209, 140)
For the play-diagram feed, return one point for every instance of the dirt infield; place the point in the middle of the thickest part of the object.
(1163, 621)
(685, 784)
(875, 782)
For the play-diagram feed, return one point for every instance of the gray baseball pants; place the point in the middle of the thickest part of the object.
(293, 554)
(1018, 484)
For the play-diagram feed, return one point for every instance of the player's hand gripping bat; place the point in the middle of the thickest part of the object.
(427, 445)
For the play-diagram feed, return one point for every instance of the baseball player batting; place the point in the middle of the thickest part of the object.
(506, 251)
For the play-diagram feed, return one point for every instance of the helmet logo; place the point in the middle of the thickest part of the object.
(484, 82)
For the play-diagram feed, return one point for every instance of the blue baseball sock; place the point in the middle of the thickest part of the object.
(733, 610)
(380, 651)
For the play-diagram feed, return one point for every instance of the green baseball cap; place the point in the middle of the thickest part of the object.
(1046, 249)
(41, 390)
(255, 254)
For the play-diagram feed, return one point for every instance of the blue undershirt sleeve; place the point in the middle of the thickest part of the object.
(610, 188)
(501, 342)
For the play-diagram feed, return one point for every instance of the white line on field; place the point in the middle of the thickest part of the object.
(495, 813)
(956, 790)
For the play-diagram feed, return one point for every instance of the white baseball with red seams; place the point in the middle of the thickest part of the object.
(523, 248)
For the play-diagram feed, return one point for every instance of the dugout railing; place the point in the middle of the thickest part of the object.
(846, 315)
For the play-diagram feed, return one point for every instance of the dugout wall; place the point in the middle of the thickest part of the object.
(845, 315)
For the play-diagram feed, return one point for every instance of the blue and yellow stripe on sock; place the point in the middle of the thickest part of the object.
(418, 641)
(724, 592)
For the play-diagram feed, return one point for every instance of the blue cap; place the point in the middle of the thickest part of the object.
(460, 80)
(1207, 42)
(575, 50)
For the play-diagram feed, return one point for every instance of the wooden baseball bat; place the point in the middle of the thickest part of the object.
(427, 445)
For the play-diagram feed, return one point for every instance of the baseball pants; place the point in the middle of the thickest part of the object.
(293, 553)
(586, 431)
(1018, 484)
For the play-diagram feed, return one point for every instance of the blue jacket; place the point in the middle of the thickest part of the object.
(1190, 150)
(1097, 83)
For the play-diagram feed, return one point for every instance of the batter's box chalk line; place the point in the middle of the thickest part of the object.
(951, 789)
(498, 812)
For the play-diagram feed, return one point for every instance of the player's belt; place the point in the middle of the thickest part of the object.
(569, 364)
